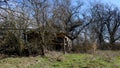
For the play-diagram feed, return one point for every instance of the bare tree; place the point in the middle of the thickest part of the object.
(41, 16)
(67, 17)
(105, 23)
(98, 25)
(14, 22)
(112, 23)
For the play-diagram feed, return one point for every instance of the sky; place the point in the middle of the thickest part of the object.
(86, 2)
(115, 2)
(110, 2)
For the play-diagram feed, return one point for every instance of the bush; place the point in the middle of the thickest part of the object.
(83, 48)
(12, 44)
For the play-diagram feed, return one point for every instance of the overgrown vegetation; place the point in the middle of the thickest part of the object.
(30, 26)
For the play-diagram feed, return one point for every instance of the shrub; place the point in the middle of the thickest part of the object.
(87, 48)
(12, 44)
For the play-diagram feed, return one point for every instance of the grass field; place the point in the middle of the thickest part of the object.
(102, 59)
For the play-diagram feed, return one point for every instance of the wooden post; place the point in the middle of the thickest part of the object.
(64, 48)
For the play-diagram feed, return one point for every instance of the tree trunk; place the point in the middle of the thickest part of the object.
(112, 40)
(42, 50)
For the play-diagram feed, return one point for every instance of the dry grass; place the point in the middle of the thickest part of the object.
(102, 59)
(107, 53)
(55, 56)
